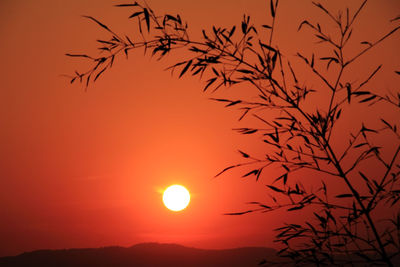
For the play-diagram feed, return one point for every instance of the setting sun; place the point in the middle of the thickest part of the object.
(176, 197)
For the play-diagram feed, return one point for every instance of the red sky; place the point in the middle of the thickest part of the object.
(85, 169)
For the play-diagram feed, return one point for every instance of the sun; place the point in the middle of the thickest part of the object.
(176, 197)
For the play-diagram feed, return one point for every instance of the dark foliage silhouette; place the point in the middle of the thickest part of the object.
(299, 134)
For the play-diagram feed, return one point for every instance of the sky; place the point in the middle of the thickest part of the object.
(86, 168)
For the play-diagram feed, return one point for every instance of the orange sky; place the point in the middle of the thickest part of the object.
(85, 169)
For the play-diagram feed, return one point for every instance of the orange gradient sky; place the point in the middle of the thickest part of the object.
(86, 169)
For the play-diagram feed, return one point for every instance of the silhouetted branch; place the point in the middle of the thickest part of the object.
(341, 229)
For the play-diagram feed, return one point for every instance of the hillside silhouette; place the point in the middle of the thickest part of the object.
(143, 255)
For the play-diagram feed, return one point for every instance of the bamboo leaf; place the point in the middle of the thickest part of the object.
(359, 93)
(267, 46)
(124, 5)
(284, 177)
(244, 154)
(348, 89)
(245, 71)
(78, 55)
(244, 27)
(232, 31)
(98, 22)
(272, 8)
(275, 189)
(136, 14)
(386, 123)
(147, 18)
(188, 64)
(226, 169)
(253, 172)
(239, 213)
(296, 208)
(209, 82)
(257, 178)
(368, 99)
(234, 103)
(305, 22)
(98, 74)
(344, 195)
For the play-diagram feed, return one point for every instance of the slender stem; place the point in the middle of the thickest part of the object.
(272, 27)
(364, 209)
(372, 45)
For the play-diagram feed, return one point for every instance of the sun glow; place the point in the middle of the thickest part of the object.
(176, 197)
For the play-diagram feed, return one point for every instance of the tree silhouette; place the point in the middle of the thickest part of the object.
(342, 228)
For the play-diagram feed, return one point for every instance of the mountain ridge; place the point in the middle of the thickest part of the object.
(143, 255)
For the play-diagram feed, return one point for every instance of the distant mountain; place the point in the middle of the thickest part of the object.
(143, 255)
